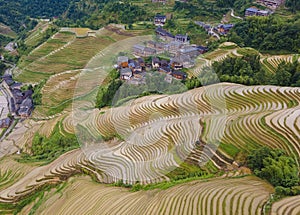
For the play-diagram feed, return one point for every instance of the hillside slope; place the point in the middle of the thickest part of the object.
(254, 116)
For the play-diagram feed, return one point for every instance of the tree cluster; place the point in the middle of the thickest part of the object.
(16, 13)
(196, 10)
(47, 149)
(268, 34)
(2, 68)
(248, 70)
(245, 70)
(293, 5)
(287, 74)
(106, 93)
(275, 166)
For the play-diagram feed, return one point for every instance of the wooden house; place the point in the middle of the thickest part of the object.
(271, 3)
(125, 73)
(182, 38)
(179, 75)
(5, 123)
(224, 28)
(256, 12)
(160, 20)
(166, 70)
(155, 63)
(164, 35)
(141, 62)
(182, 61)
(123, 61)
(190, 51)
(174, 47)
(143, 51)
(25, 108)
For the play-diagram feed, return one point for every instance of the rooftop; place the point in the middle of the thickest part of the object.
(251, 9)
(122, 59)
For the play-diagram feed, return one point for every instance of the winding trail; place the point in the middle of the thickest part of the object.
(237, 17)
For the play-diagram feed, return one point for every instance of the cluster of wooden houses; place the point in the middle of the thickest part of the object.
(134, 70)
(169, 37)
(20, 103)
(177, 50)
(271, 3)
(252, 11)
(176, 46)
(221, 29)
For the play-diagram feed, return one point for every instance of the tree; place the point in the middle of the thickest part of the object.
(274, 166)
(256, 157)
(282, 76)
(293, 5)
(280, 171)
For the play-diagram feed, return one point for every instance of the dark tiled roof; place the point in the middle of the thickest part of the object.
(28, 93)
(140, 60)
(16, 85)
(27, 103)
(163, 32)
(202, 48)
(125, 71)
(158, 16)
(179, 73)
(166, 69)
(253, 10)
(147, 49)
(155, 60)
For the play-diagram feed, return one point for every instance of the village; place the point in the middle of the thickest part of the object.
(178, 55)
(175, 51)
(15, 103)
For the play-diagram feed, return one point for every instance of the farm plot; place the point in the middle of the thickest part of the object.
(11, 171)
(7, 31)
(230, 196)
(272, 62)
(72, 55)
(79, 32)
(218, 55)
(59, 88)
(288, 206)
(20, 137)
(143, 144)
(4, 111)
(52, 45)
(37, 33)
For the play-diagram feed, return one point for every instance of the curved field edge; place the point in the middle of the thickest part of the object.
(247, 108)
(188, 198)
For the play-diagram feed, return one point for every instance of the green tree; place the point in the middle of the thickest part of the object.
(280, 171)
(282, 76)
(274, 166)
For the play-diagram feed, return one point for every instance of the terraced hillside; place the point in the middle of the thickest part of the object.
(229, 196)
(272, 62)
(147, 138)
(289, 205)
(152, 144)
(228, 49)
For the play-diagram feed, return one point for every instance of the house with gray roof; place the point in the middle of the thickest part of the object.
(125, 73)
(25, 108)
(191, 51)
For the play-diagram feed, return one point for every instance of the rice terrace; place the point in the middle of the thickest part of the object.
(150, 107)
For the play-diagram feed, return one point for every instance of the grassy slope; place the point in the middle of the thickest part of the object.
(7, 31)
